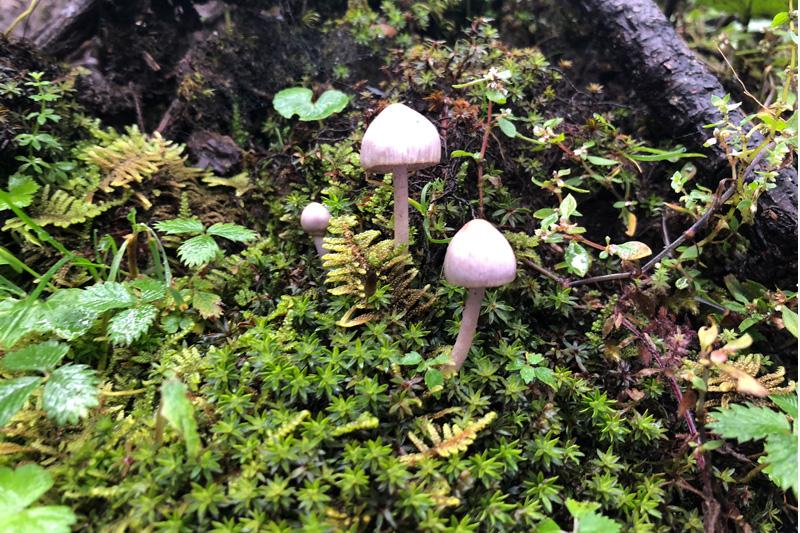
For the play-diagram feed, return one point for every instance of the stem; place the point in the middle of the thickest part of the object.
(484, 145)
(400, 183)
(318, 243)
(469, 323)
(22, 16)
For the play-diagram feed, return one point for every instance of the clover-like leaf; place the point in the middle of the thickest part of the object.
(127, 326)
(297, 101)
(41, 357)
(198, 250)
(69, 393)
(21, 190)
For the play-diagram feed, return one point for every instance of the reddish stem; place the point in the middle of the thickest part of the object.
(487, 129)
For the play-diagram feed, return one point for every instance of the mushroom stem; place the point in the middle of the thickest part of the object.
(469, 323)
(400, 185)
(318, 243)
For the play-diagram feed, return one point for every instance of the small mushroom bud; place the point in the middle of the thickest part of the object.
(314, 220)
(400, 140)
(478, 257)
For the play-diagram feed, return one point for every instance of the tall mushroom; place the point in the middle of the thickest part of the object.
(400, 141)
(314, 220)
(478, 257)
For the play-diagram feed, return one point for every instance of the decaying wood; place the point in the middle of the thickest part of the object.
(677, 87)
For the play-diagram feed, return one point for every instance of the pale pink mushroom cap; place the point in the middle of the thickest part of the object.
(479, 256)
(400, 137)
(314, 219)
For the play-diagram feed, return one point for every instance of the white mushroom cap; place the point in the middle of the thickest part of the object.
(314, 218)
(479, 256)
(400, 137)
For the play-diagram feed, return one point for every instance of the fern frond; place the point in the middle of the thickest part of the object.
(452, 439)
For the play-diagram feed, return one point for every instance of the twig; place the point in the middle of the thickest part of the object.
(22, 16)
(547, 273)
(137, 104)
(484, 145)
(601, 279)
(673, 383)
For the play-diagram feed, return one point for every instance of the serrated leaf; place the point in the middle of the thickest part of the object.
(69, 393)
(40, 357)
(127, 326)
(18, 490)
(66, 316)
(527, 373)
(786, 403)
(631, 250)
(546, 376)
(180, 226)
(748, 422)
(577, 259)
(150, 290)
(297, 101)
(781, 460)
(198, 250)
(232, 232)
(103, 297)
(178, 411)
(208, 304)
(13, 394)
(789, 320)
(19, 318)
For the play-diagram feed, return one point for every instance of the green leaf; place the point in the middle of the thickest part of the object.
(507, 127)
(781, 460)
(546, 376)
(601, 161)
(433, 378)
(463, 153)
(127, 326)
(297, 101)
(150, 290)
(178, 411)
(747, 8)
(496, 96)
(103, 297)
(69, 393)
(232, 232)
(527, 373)
(411, 358)
(631, 250)
(21, 190)
(40, 357)
(180, 226)
(198, 250)
(789, 319)
(44, 519)
(786, 403)
(13, 394)
(548, 525)
(568, 206)
(66, 316)
(748, 422)
(208, 304)
(780, 19)
(577, 259)
(19, 318)
(588, 520)
(18, 490)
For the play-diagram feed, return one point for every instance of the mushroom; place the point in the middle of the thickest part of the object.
(314, 220)
(399, 141)
(478, 257)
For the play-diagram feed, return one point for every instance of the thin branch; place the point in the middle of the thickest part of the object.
(547, 273)
(601, 279)
(484, 145)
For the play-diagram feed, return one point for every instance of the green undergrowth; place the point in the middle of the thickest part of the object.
(183, 360)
